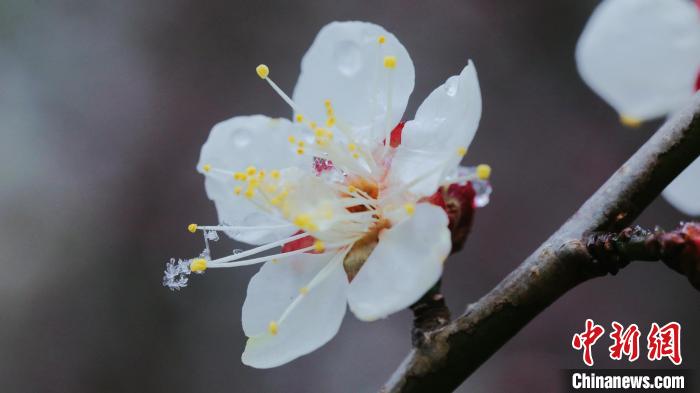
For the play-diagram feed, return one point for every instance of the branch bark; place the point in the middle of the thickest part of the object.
(445, 357)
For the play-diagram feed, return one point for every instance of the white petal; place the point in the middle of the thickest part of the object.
(684, 192)
(404, 265)
(445, 123)
(305, 321)
(641, 56)
(235, 144)
(345, 64)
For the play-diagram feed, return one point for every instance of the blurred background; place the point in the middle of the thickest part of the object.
(104, 106)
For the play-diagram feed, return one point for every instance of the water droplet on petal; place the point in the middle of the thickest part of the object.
(451, 86)
(348, 58)
(241, 137)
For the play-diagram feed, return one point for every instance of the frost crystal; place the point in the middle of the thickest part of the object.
(176, 274)
(212, 235)
(483, 192)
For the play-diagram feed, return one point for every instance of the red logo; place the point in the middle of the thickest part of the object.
(662, 342)
(626, 342)
(586, 339)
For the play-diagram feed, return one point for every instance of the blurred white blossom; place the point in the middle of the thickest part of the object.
(643, 58)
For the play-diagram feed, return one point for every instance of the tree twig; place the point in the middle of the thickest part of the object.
(451, 353)
(678, 249)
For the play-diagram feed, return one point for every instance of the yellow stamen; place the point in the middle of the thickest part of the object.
(206, 167)
(303, 290)
(461, 151)
(300, 151)
(352, 189)
(291, 139)
(483, 171)
(263, 71)
(192, 228)
(319, 246)
(299, 118)
(275, 174)
(629, 121)
(272, 327)
(304, 221)
(381, 39)
(198, 265)
(390, 62)
(251, 170)
(355, 155)
(261, 174)
(410, 208)
(237, 190)
(352, 146)
(327, 103)
(249, 192)
(330, 122)
(300, 144)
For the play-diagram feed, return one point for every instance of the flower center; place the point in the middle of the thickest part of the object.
(360, 251)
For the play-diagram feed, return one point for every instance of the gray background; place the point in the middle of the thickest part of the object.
(104, 106)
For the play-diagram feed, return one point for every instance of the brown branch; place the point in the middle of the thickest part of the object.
(429, 314)
(450, 354)
(678, 249)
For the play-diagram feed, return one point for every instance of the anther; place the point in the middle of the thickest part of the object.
(303, 290)
(629, 121)
(291, 139)
(263, 71)
(483, 171)
(272, 327)
(249, 192)
(198, 265)
(300, 151)
(251, 170)
(319, 246)
(299, 118)
(390, 62)
(275, 174)
(192, 228)
(206, 167)
(410, 208)
(381, 39)
(461, 151)
(237, 190)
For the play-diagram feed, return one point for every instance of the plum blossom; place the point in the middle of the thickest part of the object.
(643, 58)
(344, 191)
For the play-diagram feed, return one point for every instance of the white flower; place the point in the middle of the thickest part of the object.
(347, 209)
(643, 58)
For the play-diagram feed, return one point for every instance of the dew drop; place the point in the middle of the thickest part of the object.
(241, 137)
(348, 58)
(452, 85)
